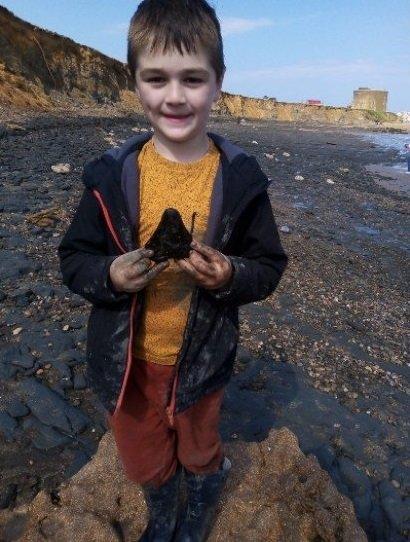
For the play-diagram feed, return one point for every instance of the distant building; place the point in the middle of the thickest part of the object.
(313, 101)
(404, 115)
(365, 98)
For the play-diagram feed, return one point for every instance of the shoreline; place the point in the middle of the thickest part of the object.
(391, 178)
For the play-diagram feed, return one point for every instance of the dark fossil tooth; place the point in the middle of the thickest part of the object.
(171, 239)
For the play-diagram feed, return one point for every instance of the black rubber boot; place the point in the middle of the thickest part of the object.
(203, 493)
(163, 505)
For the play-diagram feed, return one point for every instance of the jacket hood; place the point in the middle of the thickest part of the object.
(102, 167)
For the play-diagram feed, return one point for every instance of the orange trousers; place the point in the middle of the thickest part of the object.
(149, 443)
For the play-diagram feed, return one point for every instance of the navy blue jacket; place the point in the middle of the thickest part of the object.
(241, 225)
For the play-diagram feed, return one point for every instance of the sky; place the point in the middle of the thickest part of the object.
(291, 50)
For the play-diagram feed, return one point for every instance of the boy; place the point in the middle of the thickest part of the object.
(162, 337)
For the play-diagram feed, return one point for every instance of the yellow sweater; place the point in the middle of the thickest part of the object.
(188, 188)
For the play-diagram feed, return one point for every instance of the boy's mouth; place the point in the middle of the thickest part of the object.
(177, 118)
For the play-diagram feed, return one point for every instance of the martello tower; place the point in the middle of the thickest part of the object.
(365, 98)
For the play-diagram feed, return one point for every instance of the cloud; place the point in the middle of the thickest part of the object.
(229, 26)
(328, 68)
(237, 25)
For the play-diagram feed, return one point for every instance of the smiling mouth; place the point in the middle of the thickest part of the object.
(177, 117)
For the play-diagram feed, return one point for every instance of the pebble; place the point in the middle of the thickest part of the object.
(61, 168)
(286, 154)
(299, 178)
(284, 229)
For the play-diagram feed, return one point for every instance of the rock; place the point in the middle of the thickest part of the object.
(43, 436)
(42, 289)
(63, 369)
(16, 264)
(71, 357)
(17, 409)
(299, 178)
(284, 229)
(269, 156)
(255, 142)
(330, 181)
(20, 297)
(401, 473)
(8, 425)
(274, 493)
(61, 168)
(25, 361)
(51, 409)
(286, 154)
(7, 495)
(14, 528)
(396, 509)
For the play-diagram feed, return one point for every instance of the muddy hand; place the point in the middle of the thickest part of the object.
(132, 271)
(207, 266)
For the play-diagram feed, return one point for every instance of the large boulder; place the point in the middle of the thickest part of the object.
(274, 493)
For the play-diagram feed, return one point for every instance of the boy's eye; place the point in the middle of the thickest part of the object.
(158, 79)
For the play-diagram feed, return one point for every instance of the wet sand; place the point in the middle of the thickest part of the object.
(393, 178)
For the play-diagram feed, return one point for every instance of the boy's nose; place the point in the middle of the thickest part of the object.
(175, 93)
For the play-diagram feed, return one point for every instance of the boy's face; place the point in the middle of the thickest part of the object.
(177, 92)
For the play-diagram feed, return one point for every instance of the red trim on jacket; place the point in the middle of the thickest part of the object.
(107, 218)
(111, 228)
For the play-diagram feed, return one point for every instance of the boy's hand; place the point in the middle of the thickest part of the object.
(208, 267)
(132, 271)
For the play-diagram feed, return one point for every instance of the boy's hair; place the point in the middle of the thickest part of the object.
(171, 24)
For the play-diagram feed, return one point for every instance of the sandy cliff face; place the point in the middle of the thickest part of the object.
(34, 62)
(257, 108)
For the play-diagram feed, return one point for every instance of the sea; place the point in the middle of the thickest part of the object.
(391, 141)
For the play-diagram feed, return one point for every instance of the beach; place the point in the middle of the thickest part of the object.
(325, 355)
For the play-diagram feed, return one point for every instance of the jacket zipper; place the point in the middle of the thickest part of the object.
(122, 249)
(170, 409)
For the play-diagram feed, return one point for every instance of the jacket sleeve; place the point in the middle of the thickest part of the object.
(259, 259)
(84, 261)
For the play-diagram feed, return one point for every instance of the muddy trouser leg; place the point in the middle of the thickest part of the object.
(147, 443)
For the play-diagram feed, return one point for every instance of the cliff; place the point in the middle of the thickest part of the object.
(38, 68)
(35, 62)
